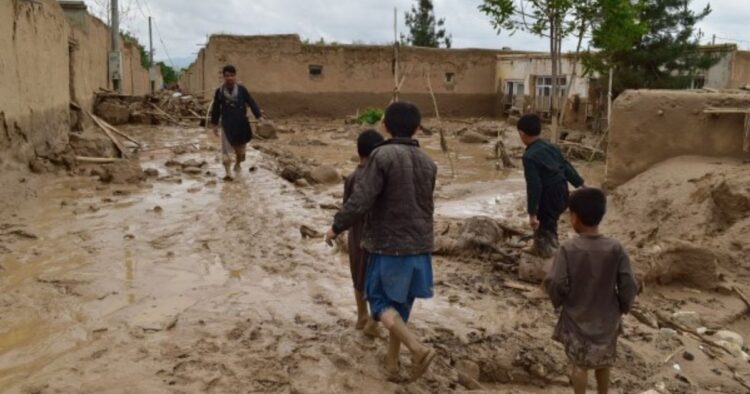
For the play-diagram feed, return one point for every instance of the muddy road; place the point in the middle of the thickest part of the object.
(185, 283)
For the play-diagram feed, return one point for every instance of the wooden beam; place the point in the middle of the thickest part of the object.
(746, 143)
(99, 122)
(715, 110)
(97, 160)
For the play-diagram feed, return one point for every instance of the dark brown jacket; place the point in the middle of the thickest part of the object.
(395, 193)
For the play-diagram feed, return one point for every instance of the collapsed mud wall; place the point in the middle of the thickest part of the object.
(34, 79)
(287, 76)
(650, 126)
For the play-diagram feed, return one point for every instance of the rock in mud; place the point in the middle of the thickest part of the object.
(120, 172)
(113, 112)
(480, 233)
(687, 319)
(730, 336)
(325, 175)
(468, 374)
(266, 131)
(302, 182)
(193, 163)
(309, 232)
(92, 143)
(192, 170)
(533, 269)
(151, 172)
(472, 137)
(676, 261)
(732, 200)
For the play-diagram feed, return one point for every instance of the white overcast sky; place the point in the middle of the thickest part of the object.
(185, 24)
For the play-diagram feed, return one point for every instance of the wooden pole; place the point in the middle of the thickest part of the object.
(609, 98)
(395, 55)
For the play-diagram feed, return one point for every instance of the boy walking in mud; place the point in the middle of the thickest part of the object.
(230, 105)
(395, 192)
(591, 281)
(367, 141)
(547, 174)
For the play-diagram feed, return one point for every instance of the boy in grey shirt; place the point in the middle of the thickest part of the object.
(592, 283)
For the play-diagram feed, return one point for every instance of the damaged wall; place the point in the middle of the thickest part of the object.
(289, 77)
(91, 40)
(650, 126)
(34, 79)
(90, 37)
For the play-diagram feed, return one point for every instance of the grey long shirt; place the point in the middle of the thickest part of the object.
(593, 282)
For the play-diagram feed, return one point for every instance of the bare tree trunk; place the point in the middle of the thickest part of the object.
(574, 72)
(554, 55)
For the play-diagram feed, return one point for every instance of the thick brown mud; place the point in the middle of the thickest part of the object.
(186, 283)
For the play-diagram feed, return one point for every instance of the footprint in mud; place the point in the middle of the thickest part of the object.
(321, 299)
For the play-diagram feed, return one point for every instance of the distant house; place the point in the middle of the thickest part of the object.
(524, 83)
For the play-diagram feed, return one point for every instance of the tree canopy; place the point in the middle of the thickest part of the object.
(424, 29)
(651, 44)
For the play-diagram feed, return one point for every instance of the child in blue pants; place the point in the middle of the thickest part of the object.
(395, 195)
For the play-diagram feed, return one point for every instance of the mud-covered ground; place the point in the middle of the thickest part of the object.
(185, 283)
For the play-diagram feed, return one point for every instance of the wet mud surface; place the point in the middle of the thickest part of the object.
(186, 283)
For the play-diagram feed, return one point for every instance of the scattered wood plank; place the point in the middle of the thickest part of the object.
(97, 160)
(746, 141)
(118, 145)
(718, 110)
(742, 296)
(165, 114)
(664, 320)
(118, 132)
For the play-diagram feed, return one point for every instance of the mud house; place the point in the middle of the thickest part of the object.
(525, 84)
(731, 71)
(291, 77)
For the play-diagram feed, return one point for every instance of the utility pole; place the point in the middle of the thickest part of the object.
(115, 56)
(395, 55)
(713, 40)
(151, 69)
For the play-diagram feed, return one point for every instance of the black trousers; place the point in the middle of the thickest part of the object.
(552, 204)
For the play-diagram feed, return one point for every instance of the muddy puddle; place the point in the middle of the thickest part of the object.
(186, 283)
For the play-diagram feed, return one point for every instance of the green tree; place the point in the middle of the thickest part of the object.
(168, 73)
(424, 29)
(552, 19)
(651, 44)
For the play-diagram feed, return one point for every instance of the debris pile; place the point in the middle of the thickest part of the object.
(164, 107)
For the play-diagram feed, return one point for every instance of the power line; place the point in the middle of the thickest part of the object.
(158, 32)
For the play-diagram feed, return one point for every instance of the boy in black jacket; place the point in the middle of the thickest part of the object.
(547, 174)
(230, 104)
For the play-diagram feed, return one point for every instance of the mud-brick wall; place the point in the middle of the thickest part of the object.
(276, 69)
(135, 78)
(34, 80)
(650, 126)
(90, 39)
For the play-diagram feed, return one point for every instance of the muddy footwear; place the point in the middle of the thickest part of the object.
(421, 354)
(371, 329)
(419, 367)
(392, 365)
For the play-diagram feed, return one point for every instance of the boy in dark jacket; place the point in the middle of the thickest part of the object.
(395, 191)
(367, 141)
(591, 281)
(547, 174)
(230, 105)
